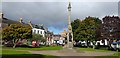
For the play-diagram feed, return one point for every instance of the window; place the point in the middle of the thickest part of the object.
(34, 31)
(0, 24)
(41, 32)
(38, 31)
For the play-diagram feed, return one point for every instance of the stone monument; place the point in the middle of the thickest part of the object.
(70, 33)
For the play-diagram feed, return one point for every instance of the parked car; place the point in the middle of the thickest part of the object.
(8, 44)
(115, 46)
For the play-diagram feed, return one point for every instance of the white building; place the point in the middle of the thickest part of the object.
(38, 31)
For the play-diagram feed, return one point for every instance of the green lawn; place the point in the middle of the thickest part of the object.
(116, 55)
(107, 57)
(96, 50)
(14, 52)
(9, 52)
(23, 54)
(39, 48)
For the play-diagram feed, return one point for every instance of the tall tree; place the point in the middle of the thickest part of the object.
(75, 24)
(110, 29)
(87, 29)
(15, 32)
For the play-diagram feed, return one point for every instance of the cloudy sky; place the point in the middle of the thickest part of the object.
(54, 14)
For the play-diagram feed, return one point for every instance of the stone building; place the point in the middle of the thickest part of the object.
(4, 22)
(64, 36)
(64, 33)
(49, 37)
(36, 28)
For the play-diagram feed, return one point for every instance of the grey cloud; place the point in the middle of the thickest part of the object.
(54, 14)
(60, 0)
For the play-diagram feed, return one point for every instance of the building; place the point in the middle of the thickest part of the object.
(37, 29)
(58, 39)
(49, 37)
(4, 22)
(64, 36)
(64, 33)
(40, 29)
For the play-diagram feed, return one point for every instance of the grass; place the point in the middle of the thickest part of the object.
(95, 50)
(14, 52)
(9, 52)
(116, 55)
(106, 57)
(23, 54)
(39, 48)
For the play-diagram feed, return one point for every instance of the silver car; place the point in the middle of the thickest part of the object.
(115, 46)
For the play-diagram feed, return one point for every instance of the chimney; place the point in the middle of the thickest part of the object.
(2, 15)
(20, 20)
(30, 24)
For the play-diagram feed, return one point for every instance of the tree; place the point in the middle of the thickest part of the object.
(110, 29)
(75, 25)
(87, 29)
(38, 37)
(16, 32)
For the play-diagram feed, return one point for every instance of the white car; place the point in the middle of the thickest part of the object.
(115, 46)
